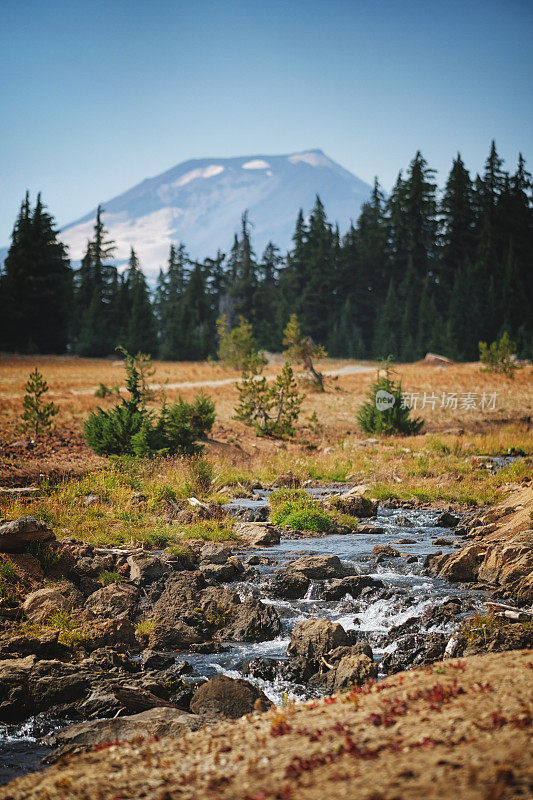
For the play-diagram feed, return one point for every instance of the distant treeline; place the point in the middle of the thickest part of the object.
(420, 270)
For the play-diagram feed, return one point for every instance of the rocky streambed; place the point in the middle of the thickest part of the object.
(284, 617)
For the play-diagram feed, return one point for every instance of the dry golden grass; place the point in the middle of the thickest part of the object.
(73, 381)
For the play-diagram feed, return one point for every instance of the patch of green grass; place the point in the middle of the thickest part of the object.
(47, 556)
(107, 576)
(145, 627)
(8, 572)
(179, 551)
(515, 471)
(294, 508)
(211, 530)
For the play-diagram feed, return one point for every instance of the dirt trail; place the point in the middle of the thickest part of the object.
(351, 369)
(458, 729)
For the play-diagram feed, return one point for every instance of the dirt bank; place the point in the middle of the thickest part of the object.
(501, 550)
(460, 728)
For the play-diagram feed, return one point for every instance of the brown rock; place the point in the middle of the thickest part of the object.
(356, 669)
(385, 551)
(154, 722)
(313, 638)
(462, 566)
(228, 697)
(116, 600)
(287, 481)
(41, 604)
(101, 633)
(257, 534)
(16, 534)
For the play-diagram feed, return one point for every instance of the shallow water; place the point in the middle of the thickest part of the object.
(412, 594)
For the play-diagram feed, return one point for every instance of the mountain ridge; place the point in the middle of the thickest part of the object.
(200, 202)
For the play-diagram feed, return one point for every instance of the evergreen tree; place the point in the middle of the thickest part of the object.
(293, 276)
(458, 224)
(171, 308)
(243, 275)
(35, 286)
(140, 329)
(320, 273)
(97, 282)
(267, 299)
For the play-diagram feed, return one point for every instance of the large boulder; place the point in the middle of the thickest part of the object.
(17, 534)
(214, 554)
(289, 585)
(103, 632)
(257, 534)
(354, 585)
(462, 566)
(116, 600)
(43, 603)
(504, 564)
(219, 573)
(252, 621)
(311, 639)
(172, 635)
(228, 697)
(353, 503)
(154, 722)
(354, 669)
(318, 567)
(385, 551)
(145, 568)
(180, 595)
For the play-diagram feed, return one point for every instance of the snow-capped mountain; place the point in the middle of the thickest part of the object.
(200, 203)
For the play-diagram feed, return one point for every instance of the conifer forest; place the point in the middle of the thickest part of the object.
(422, 269)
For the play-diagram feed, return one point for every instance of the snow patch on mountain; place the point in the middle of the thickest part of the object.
(314, 159)
(256, 163)
(194, 174)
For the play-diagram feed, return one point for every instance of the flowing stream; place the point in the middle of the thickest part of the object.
(408, 593)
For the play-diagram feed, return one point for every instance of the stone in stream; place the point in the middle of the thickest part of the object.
(462, 566)
(354, 670)
(369, 530)
(352, 502)
(447, 520)
(311, 639)
(289, 585)
(228, 697)
(338, 588)
(17, 534)
(385, 551)
(256, 534)
(252, 621)
(214, 554)
(154, 722)
(318, 567)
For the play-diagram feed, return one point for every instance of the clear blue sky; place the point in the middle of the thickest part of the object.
(98, 95)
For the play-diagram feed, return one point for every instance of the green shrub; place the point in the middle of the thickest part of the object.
(130, 429)
(387, 419)
(302, 350)
(293, 508)
(271, 408)
(201, 475)
(237, 345)
(37, 416)
(106, 391)
(499, 356)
